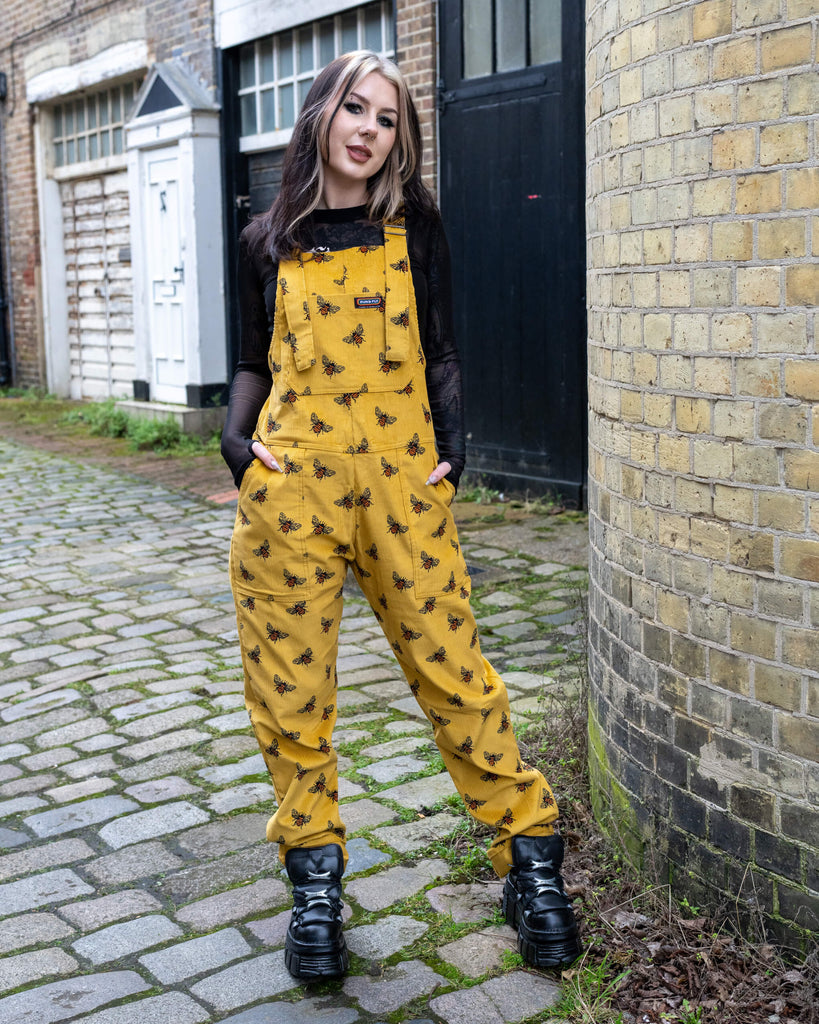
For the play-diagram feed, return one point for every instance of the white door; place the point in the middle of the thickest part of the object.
(166, 276)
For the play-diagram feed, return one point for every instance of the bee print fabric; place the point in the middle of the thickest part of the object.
(348, 421)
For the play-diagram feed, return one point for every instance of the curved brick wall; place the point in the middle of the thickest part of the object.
(703, 190)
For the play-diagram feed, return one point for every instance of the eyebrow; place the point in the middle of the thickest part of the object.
(363, 99)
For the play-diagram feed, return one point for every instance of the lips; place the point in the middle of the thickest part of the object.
(361, 154)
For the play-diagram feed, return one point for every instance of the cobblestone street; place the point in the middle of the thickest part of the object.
(136, 886)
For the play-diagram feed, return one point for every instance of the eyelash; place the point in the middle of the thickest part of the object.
(356, 108)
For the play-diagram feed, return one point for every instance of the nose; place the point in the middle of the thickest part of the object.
(370, 130)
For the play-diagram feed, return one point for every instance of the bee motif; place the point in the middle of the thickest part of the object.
(340, 281)
(366, 249)
(290, 340)
(362, 572)
(394, 527)
(306, 309)
(439, 656)
(287, 525)
(305, 658)
(243, 519)
(290, 466)
(401, 582)
(415, 686)
(320, 471)
(547, 800)
(309, 707)
(402, 265)
(414, 446)
(428, 606)
(407, 633)
(337, 830)
(466, 675)
(299, 608)
(325, 307)
(249, 603)
(407, 389)
(489, 777)
(507, 818)
(348, 398)
(328, 710)
(319, 426)
(260, 496)
(275, 634)
(245, 573)
(255, 655)
(454, 623)
(324, 745)
(456, 547)
(294, 736)
(300, 820)
(361, 448)
(332, 796)
(485, 713)
(455, 700)
(505, 723)
(322, 257)
(345, 501)
(382, 600)
(301, 771)
(382, 418)
(464, 593)
(274, 366)
(326, 624)
(428, 562)
(397, 647)
(466, 747)
(322, 575)
(387, 365)
(281, 686)
(290, 396)
(330, 368)
(402, 320)
(355, 337)
(472, 803)
(488, 687)
(474, 638)
(427, 413)
(273, 749)
(451, 585)
(418, 505)
(492, 759)
(386, 469)
(291, 580)
(319, 527)
(341, 549)
(272, 425)
(521, 787)
(283, 283)
(439, 719)
(372, 551)
(364, 500)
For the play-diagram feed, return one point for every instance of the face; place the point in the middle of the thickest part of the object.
(361, 136)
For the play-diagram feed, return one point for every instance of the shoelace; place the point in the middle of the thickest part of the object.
(538, 887)
(314, 897)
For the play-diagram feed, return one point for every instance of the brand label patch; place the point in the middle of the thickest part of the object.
(369, 302)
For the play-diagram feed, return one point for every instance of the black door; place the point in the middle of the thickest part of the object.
(512, 195)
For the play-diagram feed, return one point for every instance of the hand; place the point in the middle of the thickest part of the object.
(266, 459)
(438, 474)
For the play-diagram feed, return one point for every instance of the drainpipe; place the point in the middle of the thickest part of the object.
(6, 337)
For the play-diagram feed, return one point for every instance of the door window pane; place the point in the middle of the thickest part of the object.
(372, 29)
(306, 49)
(349, 31)
(545, 30)
(304, 88)
(287, 107)
(268, 110)
(266, 73)
(249, 114)
(285, 55)
(327, 42)
(247, 66)
(477, 41)
(510, 34)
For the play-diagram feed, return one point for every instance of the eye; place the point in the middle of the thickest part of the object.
(386, 122)
(353, 108)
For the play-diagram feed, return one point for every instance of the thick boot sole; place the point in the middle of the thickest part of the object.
(540, 949)
(311, 962)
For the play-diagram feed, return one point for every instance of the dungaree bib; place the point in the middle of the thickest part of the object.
(348, 421)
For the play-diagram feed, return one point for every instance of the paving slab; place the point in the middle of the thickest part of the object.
(158, 821)
(393, 768)
(142, 860)
(196, 956)
(480, 952)
(505, 1000)
(415, 835)
(221, 837)
(467, 902)
(166, 764)
(153, 725)
(50, 887)
(48, 855)
(234, 905)
(364, 813)
(263, 976)
(420, 793)
(164, 743)
(395, 987)
(362, 856)
(305, 1011)
(88, 915)
(404, 745)
(387, 936)
(25, 930)
(205, 879)
(70, 998)
(35, 966)
(219, 775)
(381, 890)
(169, 1007)
(157, 790)
(246, 795)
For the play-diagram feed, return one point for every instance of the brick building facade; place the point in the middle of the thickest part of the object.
(703, 238)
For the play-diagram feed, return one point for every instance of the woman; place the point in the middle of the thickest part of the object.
(345, 437)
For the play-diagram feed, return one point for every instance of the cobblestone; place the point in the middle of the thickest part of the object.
(26, 930)
(39, 890)
(376, 892)
(36, 966)
(159, 821)
(49, 855)
(397, 986)
(263, 976)
(186, 959)
(118, 940)
(92, 914)
(233, 905)
(171, 1006)
(69, 819)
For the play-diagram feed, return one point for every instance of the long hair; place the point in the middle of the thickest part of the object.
(396, 187)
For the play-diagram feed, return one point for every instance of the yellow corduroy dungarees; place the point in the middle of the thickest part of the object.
(348, 421)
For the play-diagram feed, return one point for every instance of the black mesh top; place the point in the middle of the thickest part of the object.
(431, 278)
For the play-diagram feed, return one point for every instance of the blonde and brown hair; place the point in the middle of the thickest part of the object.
(396, 187)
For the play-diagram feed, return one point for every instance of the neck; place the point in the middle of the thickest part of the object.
(338, 196)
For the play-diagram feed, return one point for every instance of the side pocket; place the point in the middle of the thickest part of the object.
(437, 564)
(267, 553)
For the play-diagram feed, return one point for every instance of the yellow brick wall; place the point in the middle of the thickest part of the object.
(703, 296)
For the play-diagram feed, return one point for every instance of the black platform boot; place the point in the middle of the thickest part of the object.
(315, 946)
(535, 902)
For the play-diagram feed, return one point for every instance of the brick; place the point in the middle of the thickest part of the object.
(712, 286)
(799, 735)
(676, 115)
(712, 198)
(754, 806)
(714, 107)
(781, 511)
(759, 286)
(782, 332)
(735, 58)
(802, 285)
(693, 415)
(802, 187)
(786, 48)
(780, 599)
(733, 419)
(712, 18)
(753, 636)
(759, 377)
(732, 587)
(785, 422)
(733, 240)
(752, 550)
(729, 671)
(691, 243)
(799, 648)
(734, 149)
(735, 504)
(713, 459)
(783, 144)
(803, 93)
(802, 470)
(709, 539)
(760, 101)
(759, 193)
(782, 238)
(732, 332)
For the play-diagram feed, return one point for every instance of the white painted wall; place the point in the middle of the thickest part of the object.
(239, 21)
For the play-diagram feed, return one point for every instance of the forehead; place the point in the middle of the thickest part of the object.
(376, 89)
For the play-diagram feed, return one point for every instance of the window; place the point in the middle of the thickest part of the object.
(275, 73)
(506, 35)
(90, 127)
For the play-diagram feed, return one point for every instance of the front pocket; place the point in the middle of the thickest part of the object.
(268, 556)
(437, 563)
